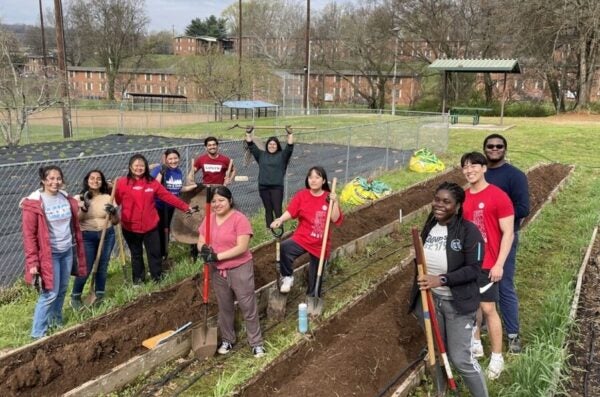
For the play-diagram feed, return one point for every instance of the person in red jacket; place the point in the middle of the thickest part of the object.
(51, 237)
(136, 195)
(309, 206)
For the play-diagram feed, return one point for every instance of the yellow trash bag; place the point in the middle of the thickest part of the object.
(360, 190)
(425, 160)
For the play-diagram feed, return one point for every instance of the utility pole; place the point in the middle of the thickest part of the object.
(240, 51)
(306, 57)
(395, 30)
(62, 66)
(44, 60)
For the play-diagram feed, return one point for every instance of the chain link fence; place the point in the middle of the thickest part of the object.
(361, 150)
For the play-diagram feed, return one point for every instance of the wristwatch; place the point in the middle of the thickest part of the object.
(443, 280)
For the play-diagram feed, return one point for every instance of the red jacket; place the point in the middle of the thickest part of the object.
(136, 198)
(36, 239)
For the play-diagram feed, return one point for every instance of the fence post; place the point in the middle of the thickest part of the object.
(349, 139)
(387, 146)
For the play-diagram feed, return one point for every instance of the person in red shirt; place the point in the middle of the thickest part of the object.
(232, 269)
(491, 210)
(136, 194)
(214, 165)
(309, 206)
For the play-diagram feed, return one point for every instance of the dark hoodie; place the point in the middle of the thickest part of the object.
(271, 166)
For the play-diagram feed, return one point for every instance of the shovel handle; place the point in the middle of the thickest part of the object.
(326, 233)
(207, 242)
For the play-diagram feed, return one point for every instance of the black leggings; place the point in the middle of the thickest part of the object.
(272, 198)
(136, 243)
(165, 215)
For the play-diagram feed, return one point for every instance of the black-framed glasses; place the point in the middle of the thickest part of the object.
(492, 146)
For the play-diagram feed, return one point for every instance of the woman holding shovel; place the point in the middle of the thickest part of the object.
(136, 195)
(272, 165)
(171, 177)
(53, 247)
(232, 270)
(453, 250)
(310, 207)
(95, 204)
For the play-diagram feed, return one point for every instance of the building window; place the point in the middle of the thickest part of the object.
(88, 75)
(102, 87)
(89, 86)
(163, 90)
(148, 89)
(148, 77)
(163, 77)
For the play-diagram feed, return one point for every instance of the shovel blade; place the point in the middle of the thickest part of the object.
(90, 299)
(204, 341)
(315, 306)
(276, 305)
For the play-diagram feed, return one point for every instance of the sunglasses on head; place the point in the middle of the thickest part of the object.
(492, 146)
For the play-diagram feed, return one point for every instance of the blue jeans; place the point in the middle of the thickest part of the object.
(509, 302)
(91, 243)
(48, 310)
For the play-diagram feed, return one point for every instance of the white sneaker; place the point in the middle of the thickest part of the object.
(286, 284)
(225, 347)
(495, 367)
(477, 350)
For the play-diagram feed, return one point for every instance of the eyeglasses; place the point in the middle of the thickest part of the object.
(492, 146)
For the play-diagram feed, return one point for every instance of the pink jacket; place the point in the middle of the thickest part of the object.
(36, 239)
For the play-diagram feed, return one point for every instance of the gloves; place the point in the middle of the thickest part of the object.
(249, 129)
(110, 209)
(37, 282)
(193, 209)
(86, 197)
(288, 129)
(208, 255)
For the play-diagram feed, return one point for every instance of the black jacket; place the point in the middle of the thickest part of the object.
(464, 251)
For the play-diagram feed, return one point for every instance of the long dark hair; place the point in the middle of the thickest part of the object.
(322, 173)
(103, 186)
(457, 193)
(132, 159)
(273, 139)
(45, 170)
(171, 151)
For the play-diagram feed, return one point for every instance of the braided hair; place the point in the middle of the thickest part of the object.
(457, 193)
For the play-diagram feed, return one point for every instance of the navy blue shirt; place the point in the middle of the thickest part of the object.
(172, 180)
(514, 183)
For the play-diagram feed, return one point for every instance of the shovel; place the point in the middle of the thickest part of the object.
(315, 303)
(277, 300)
(91, 298)
(157, 340)
(204, 338)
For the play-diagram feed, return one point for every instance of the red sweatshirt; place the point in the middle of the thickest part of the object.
(136, 198)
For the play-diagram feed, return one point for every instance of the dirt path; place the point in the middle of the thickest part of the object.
(384, 339)
(585, 348)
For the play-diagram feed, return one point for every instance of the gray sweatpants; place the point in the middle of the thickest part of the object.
(457, 332)
(238, 285)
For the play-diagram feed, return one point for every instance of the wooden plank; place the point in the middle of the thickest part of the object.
(410, 383)
(136, 366)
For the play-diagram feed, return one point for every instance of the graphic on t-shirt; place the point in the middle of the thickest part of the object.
(173, 184)
(478, 220)
(59, 212)
(435, 243)
(212, 167)
(318, 224)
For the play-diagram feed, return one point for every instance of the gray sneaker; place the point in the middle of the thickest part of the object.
(514, 345)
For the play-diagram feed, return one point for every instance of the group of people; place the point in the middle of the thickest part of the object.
(470, 241)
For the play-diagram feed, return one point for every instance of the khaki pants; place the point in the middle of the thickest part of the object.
(239, 285)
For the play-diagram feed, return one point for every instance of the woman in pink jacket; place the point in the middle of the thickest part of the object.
(136, 194)
(51, 237)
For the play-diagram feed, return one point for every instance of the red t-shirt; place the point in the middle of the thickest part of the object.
(311, 212)
(485, 209)
(213, 170)
(224, 237)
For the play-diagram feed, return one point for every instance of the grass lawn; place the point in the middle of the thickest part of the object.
(550, 252)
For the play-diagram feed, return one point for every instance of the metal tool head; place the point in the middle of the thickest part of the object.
(204, 341)
(277, 304)
(315, 306)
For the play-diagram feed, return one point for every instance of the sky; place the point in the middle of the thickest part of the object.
(164, 14)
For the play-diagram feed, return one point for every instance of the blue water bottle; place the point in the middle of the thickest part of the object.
(302, 318)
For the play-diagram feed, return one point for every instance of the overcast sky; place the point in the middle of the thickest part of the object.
(164, 14)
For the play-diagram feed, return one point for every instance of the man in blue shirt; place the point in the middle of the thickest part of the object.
(514, 183)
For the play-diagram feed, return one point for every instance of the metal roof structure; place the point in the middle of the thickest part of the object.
(477, 65)
(248, 104)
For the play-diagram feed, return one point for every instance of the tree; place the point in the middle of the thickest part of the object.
(215, 75)
(114, 29)
(211, 26)
(21, 94)
(275, 26)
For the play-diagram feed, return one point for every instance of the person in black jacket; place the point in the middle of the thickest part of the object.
(453, 252)
(272, 165)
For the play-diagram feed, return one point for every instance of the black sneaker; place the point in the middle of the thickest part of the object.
(514, 345)
(225, 347)
(258, 351)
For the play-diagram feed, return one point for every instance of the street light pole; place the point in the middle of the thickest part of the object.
(308, 80)
(306, 55)
(395, 30)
